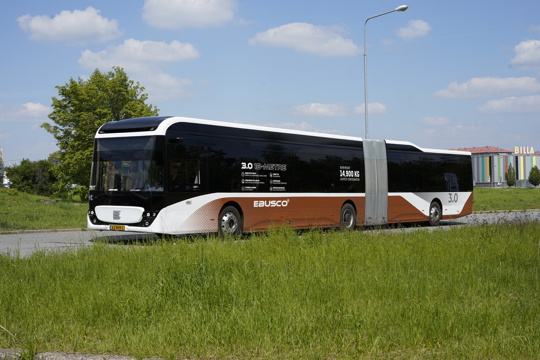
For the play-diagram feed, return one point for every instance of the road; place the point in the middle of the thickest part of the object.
(26, 243)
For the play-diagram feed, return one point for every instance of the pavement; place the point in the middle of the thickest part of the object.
(7, 354)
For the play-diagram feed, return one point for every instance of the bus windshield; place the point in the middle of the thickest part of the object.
(127, 164)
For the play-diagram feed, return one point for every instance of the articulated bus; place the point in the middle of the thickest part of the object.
(176, 175)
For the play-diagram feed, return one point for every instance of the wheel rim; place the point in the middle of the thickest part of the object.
(347, 219)
(229, 223)
(435, 214)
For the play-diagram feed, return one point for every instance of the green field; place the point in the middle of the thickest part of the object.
(467, 292)
(488, 199)
(20, 211)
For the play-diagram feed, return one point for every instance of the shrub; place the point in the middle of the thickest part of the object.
(510, 176)
(32, 177)
(534, 176)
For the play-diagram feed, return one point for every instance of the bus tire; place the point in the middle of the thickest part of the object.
(347, 217)
(435, 214)
(230, 222)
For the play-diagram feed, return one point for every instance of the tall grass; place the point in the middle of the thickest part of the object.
(463, 293)
(20, 211)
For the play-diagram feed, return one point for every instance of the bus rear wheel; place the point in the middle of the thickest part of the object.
(230, 222)
(347, 217)
(435, 214)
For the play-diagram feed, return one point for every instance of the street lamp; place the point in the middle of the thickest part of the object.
(399, 8)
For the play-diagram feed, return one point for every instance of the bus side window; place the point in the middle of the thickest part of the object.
(185, 175)
(193, 173)
(451, 182)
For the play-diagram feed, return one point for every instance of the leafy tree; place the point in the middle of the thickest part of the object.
(534, 176)
(510, 176)
(82, 107)
(32, 177)
(55, 158)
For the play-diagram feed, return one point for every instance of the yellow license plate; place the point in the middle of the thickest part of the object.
(118, 227)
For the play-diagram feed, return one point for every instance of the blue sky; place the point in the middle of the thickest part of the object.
(442, 74)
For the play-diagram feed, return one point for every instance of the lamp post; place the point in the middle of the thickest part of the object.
(399, 8)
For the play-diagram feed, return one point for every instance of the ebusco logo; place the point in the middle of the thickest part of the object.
(270, 203)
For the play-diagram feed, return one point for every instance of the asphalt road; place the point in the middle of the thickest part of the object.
(26, 243)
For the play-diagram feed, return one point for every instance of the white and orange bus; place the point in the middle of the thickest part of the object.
(176, 175)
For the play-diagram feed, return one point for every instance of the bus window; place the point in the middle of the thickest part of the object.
(127, 164)
(451, 182)
(185, 175)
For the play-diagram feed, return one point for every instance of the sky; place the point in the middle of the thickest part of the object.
(441, 74)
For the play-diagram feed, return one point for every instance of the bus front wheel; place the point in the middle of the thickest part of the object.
(435, 214)
(230, 222)
(347, 217)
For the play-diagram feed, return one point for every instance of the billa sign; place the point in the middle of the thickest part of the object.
(523, 150)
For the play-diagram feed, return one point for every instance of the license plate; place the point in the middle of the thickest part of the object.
(118, 227)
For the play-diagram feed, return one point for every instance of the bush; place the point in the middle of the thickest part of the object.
(534, 176)
(32, 177)
(8, 191)
(510, 176)
(82, 192)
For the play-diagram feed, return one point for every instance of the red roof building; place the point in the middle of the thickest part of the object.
(486, 150)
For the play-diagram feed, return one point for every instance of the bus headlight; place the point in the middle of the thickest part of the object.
(149, 217)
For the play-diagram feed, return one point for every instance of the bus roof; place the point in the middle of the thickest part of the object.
(158, 125)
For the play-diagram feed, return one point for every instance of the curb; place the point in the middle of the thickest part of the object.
(7, 354)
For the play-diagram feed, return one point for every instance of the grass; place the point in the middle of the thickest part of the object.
(20, 211)
(468, 292)
(491, 199)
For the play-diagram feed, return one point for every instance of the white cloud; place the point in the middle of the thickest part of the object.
(24, 113)
(135, 54)
(435, 121)
(527, 55)
(414, 29)
(318, 109)
(308, 38)
(76, 27)
(488, 87)
(34, 110)
(177, 14)
(524, 104)
(143, 60)
(373, 108)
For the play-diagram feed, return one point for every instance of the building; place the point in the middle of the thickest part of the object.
(490, 165)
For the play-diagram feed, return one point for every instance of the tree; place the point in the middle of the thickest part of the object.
(81, 108)
(510, 176)
(32, 177)
(534, 176)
